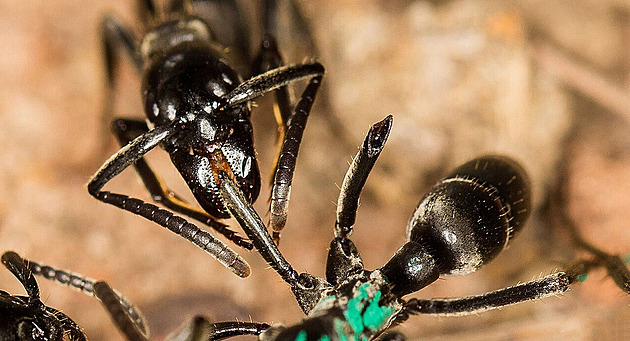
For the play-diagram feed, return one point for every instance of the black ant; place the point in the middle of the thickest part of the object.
(27, 318)
(198, 110)
(465, 221)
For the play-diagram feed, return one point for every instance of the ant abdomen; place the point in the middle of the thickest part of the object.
(471, 215)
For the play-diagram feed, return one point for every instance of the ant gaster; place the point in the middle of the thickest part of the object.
(198, 109)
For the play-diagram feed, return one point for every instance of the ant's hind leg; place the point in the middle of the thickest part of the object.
(551, 285)
(614, 265)
(126, 130)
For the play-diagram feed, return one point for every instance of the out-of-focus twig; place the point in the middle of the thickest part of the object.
(582, 79)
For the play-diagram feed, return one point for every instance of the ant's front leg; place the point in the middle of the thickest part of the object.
(285, 165)
(127, 156)
(126, 130)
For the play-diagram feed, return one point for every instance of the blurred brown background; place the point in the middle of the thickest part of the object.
(541, 81)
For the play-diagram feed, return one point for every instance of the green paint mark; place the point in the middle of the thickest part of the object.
(376, 315)
(581, 278)
(301, 336)
(360, 317)
(324, 338)
(626, 259)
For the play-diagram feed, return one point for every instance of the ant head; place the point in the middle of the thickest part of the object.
(462, 223)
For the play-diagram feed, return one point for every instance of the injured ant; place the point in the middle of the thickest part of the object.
(198, 110)
(27, 318)
(464, 222)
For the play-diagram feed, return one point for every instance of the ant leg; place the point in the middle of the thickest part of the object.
(285, 166)
(550, 285)
(547, 286)
(392, 336)
(128, 155)
(613, 264)
(270, 81)
(111, 301)
(117, 37)
(200, 329)
(14, 263)
(269, 58)
(86, 286)
(307, 289)
(126, 130)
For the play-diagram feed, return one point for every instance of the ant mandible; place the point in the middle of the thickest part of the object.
(198, 110)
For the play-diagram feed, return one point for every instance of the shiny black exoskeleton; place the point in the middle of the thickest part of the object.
(187, 85)
(460, 225)
(198, 109)
(26, 317)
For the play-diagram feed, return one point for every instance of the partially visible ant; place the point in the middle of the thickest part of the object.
(198, 109)
(27, 318)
